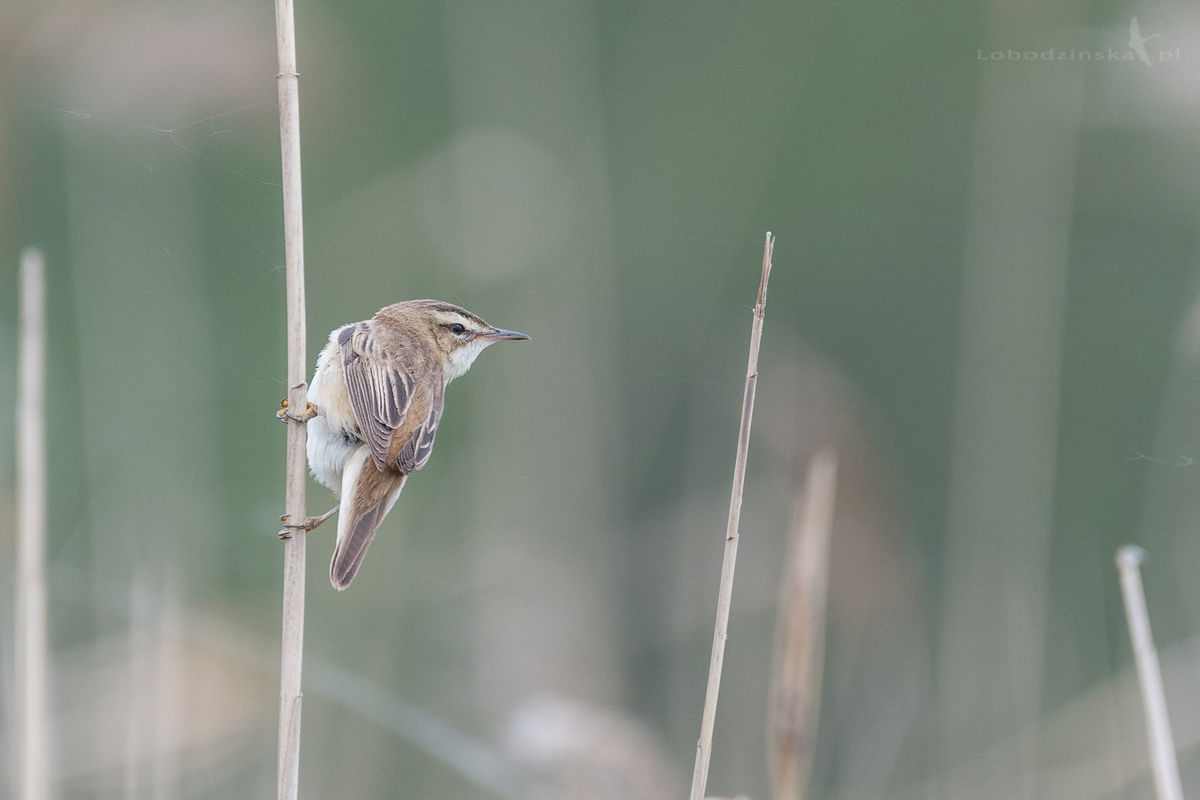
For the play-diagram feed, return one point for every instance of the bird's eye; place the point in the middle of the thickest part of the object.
(457, 328)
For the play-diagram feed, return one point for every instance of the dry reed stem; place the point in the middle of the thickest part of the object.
(31, 529)
(293, 554)
(1158, 726)
(704, 746)
(800, 635)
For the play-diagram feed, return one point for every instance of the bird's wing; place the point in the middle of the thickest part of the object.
(379, 388)
(416, 452)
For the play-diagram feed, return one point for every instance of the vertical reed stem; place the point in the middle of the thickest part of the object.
(31, 529)
(704, 746)
(800, 633)
(1158, 727)
(293, 554)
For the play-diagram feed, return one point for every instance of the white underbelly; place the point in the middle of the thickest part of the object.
(332, 434)
(328, 453)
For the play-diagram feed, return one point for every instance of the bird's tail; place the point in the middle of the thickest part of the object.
(367, 496)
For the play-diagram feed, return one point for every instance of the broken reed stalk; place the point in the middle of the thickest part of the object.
(704, 746)
(1158, 726)
(294, 504)
(31, 529)
(800, 634)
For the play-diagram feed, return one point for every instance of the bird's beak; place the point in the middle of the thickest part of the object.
(500, 335)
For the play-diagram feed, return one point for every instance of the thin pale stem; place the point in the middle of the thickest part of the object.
(31, 530)
(704, 746)
(800, 635)
(1158, 726)
(294, 504)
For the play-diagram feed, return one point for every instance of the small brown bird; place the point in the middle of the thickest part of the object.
(374, 406)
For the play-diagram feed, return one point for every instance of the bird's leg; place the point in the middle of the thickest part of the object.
(306, 524)
(284, 415)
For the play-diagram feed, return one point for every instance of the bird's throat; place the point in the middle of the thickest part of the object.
(462, 358)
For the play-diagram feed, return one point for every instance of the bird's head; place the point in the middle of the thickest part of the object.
(456, 335)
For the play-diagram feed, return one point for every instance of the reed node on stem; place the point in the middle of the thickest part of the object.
(704, 746)
(1158, 726)
(31, 530)
(294, 504)
(795, 700)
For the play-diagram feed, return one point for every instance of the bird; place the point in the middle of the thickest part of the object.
(373, 410)
(1137, 42)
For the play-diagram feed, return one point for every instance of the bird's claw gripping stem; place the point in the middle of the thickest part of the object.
(306, 524)
(284, 415)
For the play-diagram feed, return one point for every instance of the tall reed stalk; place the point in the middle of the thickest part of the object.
(717, 660)
(800, 632)
(1158, 726)
(31, 530)
(294, 504)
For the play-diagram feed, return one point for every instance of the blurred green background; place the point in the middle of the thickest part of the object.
(984, 296)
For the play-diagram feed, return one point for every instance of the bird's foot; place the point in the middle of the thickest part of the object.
(306, 524)
(284, 415)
